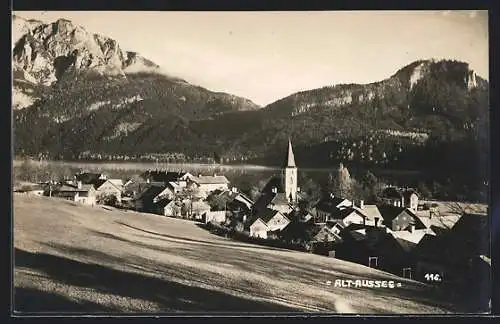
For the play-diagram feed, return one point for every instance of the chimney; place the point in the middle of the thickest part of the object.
(79, 184)
(275, 190)
(199, 175)
(332, 195)
(215, 174)
(298, 189)
(147, 180)
(402, 201)
(234, 189)
(244, 218)
(361, 204)
(412, 228)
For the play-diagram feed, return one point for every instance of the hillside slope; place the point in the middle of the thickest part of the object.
(76, 258)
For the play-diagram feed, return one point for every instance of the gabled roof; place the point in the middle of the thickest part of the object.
(99, 182)
(370, 211)
(210, 179)
(414, 237)
(117, 182)
(260, 221)
(151, 192)
(267, 214)
(174, 185)
(66, 187)
(280, 199)
(389, 213)
(329, 204)
(162, 176)
(163, 203)
(343, 213)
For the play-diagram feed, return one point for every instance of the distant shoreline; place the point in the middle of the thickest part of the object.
(125, 165)
(130, 165)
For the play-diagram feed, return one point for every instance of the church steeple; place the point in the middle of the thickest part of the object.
(291, 158)
(290, 175)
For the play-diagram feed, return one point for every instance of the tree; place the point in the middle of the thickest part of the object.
(217, 202)
(372, 187)
(254, 193)
(424, 191)
(186, 196)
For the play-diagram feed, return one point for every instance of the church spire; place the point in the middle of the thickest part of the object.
(291, 157)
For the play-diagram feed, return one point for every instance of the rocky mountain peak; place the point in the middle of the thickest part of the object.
(46, 51)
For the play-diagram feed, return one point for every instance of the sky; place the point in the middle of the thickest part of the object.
(265, 56)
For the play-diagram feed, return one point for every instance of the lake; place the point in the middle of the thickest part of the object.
(242, 176)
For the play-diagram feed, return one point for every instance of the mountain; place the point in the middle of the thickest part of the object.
(63, 59)
(86, 98)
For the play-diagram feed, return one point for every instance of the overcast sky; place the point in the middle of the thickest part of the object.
(265, 56)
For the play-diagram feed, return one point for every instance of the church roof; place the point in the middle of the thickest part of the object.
(290, 156)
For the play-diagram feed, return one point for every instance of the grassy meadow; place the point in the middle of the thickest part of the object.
(96, 259)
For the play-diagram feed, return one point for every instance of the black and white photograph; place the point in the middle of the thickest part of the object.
(250, 162)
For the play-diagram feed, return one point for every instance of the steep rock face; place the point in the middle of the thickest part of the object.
(47, 51)
(21, 26)
(397, 91)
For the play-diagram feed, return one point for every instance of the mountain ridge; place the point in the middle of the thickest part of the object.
(427, 114)
(44, 53)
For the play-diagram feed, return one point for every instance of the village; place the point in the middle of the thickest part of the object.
(432, 242)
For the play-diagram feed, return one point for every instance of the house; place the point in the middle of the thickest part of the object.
(327, 233)
(80, 193)
(164, 176)
(106, 187)
(33, 190)
(89, 177)
(273, 196)
(347, 216)
(204, 185)
(198, 208)
(372, 214)
(400, 218)
(168, 207)
(170, 191)
(400, 197)
(214, 216)
(328, 208)
(118, 183)
(268, 220)
(459, 248)
(259, 229)
(237, 203)
(410, 199)
(145, 201)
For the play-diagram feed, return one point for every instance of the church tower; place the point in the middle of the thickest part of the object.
(290, 175)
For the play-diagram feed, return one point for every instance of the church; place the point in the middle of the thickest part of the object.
(281, 193)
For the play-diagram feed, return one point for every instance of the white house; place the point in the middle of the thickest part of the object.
(214, 216)
(207, 184)
(268, 220)
(106, 187)
(259, 229)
